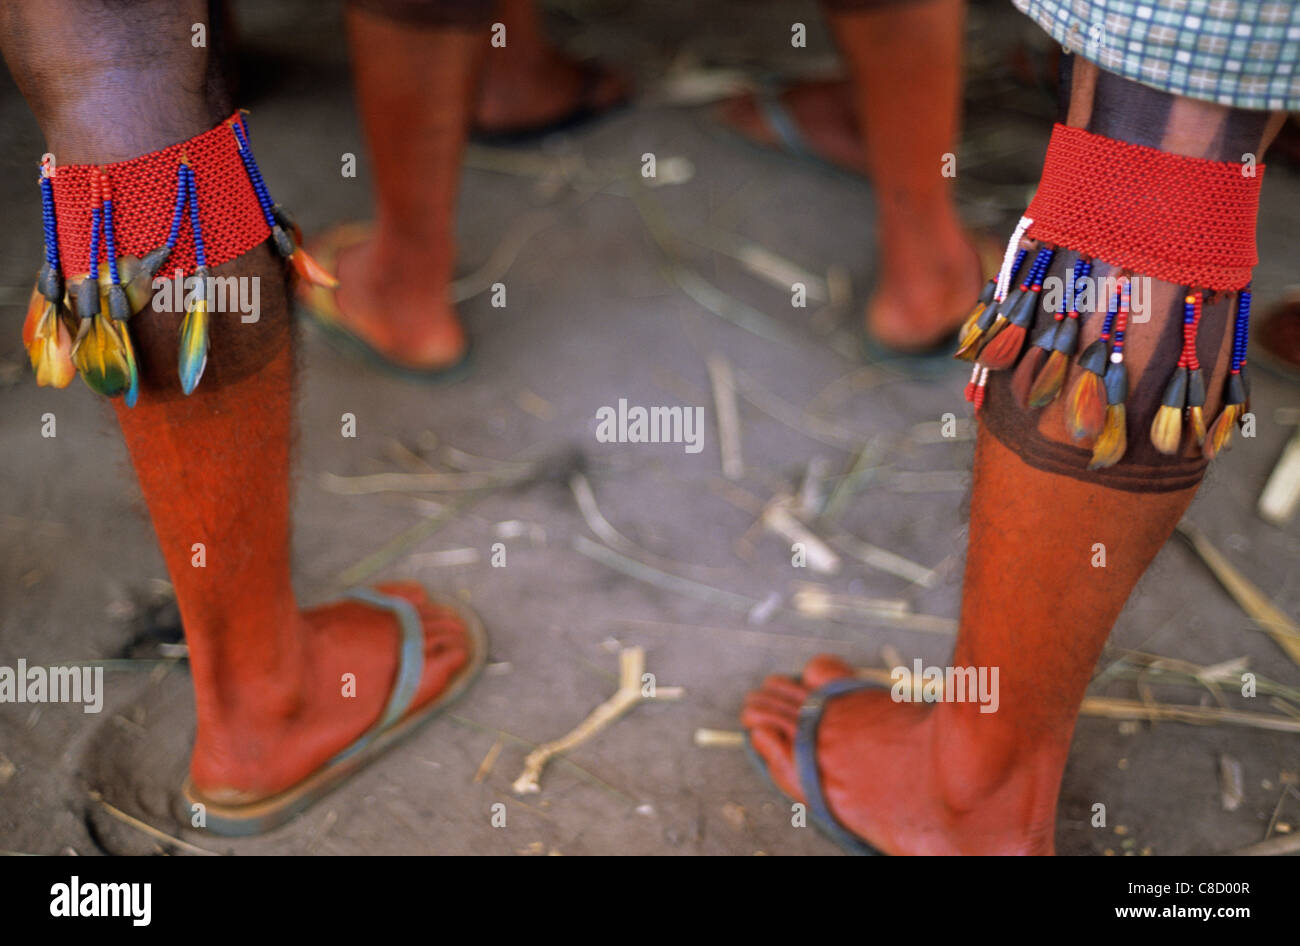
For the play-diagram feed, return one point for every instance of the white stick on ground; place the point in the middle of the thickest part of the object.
(1281, 496)
(629, 694)
(724, 401)
(778, 518)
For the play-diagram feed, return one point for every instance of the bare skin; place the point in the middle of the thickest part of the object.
(530, 83)
(214, 466)
(394, 286)
(944, 778)
(823, 111)
(928, 267)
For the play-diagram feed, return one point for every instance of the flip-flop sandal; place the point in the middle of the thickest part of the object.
(790, 141)
(584, 111)
(395, 724)
(936, 360)
(318, 305)
(805, 761)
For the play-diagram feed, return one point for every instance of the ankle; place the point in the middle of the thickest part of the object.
(397, 270)
(985, 759)
(252, 670)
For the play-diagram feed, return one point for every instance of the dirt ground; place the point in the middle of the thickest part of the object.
(615, 290)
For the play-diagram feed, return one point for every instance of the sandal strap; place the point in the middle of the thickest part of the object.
(410, 666)
(805, 761)
(782, 122)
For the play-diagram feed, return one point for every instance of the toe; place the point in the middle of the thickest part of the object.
(824, 668)
(763, 710)
(786, 689)
(776, 749)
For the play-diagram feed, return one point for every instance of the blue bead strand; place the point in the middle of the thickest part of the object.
(1241, 329)
(254, 174)
(1109, 323)
(110, 243)
(1079, 281)
(1020, 259)
(1036, 268)
(178, 214)
(94, 242)
(48, 223)
(200, 255)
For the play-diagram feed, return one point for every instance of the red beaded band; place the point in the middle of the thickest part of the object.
(1185, 220)
(144, 194)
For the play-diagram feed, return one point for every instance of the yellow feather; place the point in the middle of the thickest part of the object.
(1219, 436)
(1196, 415)
(1167, 429)
(1110, 446)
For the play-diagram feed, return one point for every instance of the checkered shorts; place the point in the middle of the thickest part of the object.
(1243, 53)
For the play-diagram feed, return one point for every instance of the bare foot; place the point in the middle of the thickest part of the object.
(415, 326)
(927, 286)
(523, 91)
(823, 112)
(885, 780)
(930, 272)
(256, 752)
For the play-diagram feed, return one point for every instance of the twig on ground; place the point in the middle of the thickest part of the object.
(489, 760)
(148, 829)
(585, 497)
(582, 773)
(653, 576)
(1111, 708)
(507, 250)
(410, 482)
(884, 560)
(1251, 599)
(724, 402)
(779, 519)
(630, 693)
(850, 609)
(718, 739)
(863, 463)
(405, 540)
(823, 431)
(1286, 844)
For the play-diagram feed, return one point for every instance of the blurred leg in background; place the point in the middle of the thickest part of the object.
(426, 72)
(415, 65)
(895, 120)
(530, 88)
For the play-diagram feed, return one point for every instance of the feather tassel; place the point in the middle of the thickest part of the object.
(1219, 436)
(1085, 410)
(1113, 442)
(1167, 426)
(194, 335)
(307, 268)
(49, 343)
(978, 327)
(1004, 348)
(1050, 380)
(132, 392)
(101, 358)
(34, 308)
